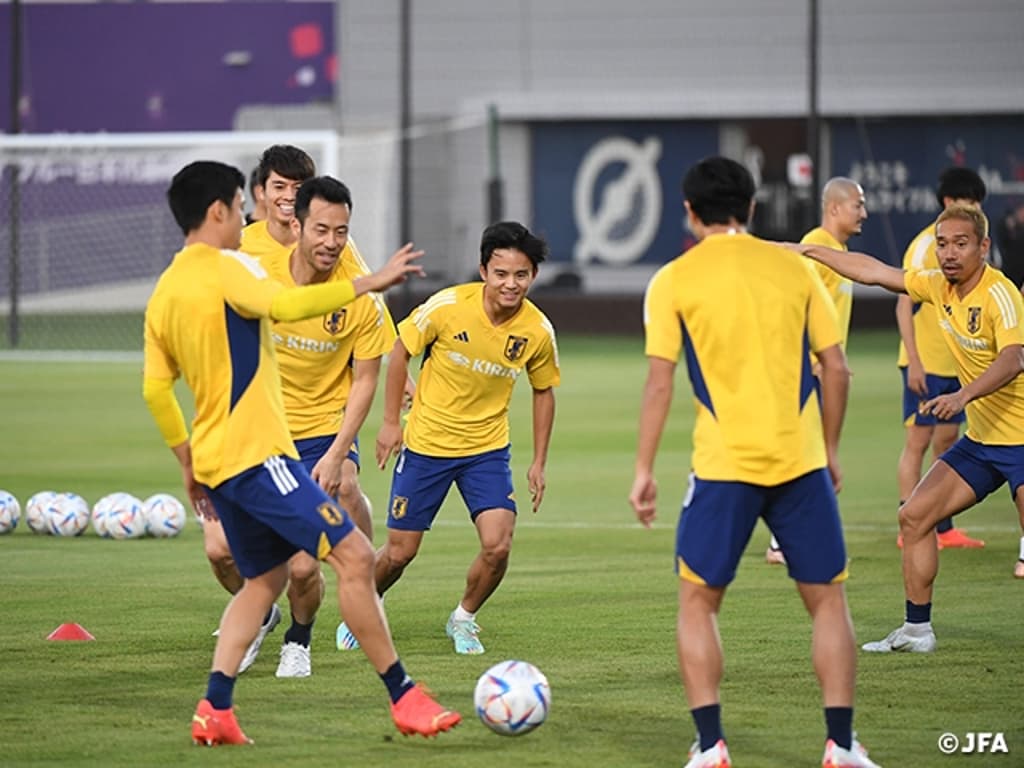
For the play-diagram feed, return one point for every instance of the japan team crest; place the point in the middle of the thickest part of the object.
(399, 507)
(334, 322)
(973, 319)
(515, 346)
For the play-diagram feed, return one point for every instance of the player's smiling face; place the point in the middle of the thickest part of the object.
(507, 277)
(279, 196)
(960, 254)
(323, 235)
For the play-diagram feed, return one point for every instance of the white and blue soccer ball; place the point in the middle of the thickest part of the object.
(10, 512)
(164, 515)
(125, 518)
(39, 509)
(69, 515)
(512, 698)
(99, 514)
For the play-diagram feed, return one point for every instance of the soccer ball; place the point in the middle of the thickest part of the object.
(69, 515)
(10, 512)
(38, 511)
(124, 518)
(99, 514)
(512, 698)
(164, 515)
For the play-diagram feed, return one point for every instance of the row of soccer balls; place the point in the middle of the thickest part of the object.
(115, 516)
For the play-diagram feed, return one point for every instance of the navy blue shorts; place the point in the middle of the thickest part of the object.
(986, 467)
(718, 518)
(312, 449)
(936, 385)
(420, 483)
(272, 511)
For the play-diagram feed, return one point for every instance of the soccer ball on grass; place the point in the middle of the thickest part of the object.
(38, 510)
(10, 512)
(69, 515)
(512, 698)
(164, 515)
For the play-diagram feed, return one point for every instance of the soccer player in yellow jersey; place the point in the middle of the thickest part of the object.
(745, 316)
(477, 339)
(982, 318)
(843, 211)
(207, 320)
(329, 367)
(926, 362)
(281, 172)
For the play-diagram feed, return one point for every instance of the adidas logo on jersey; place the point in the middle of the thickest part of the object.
(461, 336)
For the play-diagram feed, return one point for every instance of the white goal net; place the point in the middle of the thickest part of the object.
(85, 229)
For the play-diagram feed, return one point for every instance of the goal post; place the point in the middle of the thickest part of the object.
(85, 227)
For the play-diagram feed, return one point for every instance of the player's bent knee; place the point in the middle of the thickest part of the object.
(399, 556)
(304, 570)
(498, 552)
(915, 518)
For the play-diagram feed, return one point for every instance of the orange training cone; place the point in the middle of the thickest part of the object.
(70, 632)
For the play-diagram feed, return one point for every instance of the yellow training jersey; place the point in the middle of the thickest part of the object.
(928, 336)
(257, 241)
(469, 369)
(838, 287)
(746, 314)
(206, 320)
(315, 356)
(976, 328)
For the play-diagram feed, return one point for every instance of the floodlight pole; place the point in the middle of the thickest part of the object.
(404, 139)
(14, 198)
(405, 119)
(495, 185)
(813, 118)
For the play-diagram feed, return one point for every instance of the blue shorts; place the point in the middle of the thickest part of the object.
(718, 518)
(420, 483)
(936, 385)
(272, 511)
(312, 449)
(986, 467)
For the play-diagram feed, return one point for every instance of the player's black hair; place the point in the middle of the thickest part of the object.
(254, 181)
(960, 184)
(199, 185)
(287, 161)
(324, 187)
(512, 234)
(719, 190)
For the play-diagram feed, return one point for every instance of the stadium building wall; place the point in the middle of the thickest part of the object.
(668, 68)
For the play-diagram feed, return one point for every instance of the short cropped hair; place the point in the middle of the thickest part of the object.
(323, 187)
(960, 184)
(199, 185)
(287, 161)
(512, 234)
(977, 219)
(719, 190)
(254, 181)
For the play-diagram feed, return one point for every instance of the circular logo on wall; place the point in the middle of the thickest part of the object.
(617, 219)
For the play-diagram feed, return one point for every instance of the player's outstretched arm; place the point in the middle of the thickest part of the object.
(399, 267)
(859, 267)
(304, 301)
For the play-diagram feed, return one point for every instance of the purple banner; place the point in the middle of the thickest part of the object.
(165, 66)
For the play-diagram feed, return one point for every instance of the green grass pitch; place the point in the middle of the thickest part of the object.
(590, 598)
